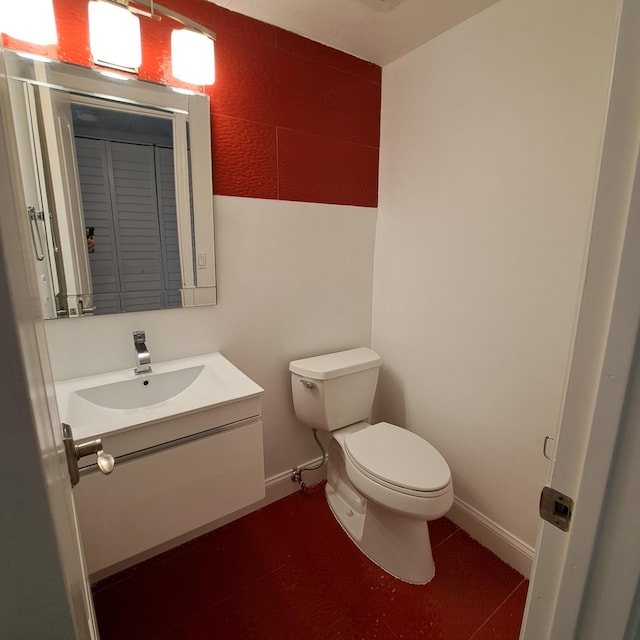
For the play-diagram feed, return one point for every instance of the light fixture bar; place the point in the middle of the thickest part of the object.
(154, 7)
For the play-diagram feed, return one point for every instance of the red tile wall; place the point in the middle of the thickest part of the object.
(291, 119)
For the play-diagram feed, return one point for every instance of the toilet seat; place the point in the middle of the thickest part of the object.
(398, 459)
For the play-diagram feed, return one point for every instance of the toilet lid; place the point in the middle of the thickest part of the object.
(398, 457)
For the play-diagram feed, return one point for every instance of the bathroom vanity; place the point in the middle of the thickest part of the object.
(188, 449)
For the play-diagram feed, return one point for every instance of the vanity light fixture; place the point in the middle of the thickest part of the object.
(192, 57)
(114, 35)
(17, 20)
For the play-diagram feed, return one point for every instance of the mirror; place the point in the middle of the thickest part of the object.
(117, 179)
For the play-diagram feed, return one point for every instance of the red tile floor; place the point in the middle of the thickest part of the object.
(289, 572)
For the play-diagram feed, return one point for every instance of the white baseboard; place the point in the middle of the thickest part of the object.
(505, 545)
(275, 488)
(281, 485)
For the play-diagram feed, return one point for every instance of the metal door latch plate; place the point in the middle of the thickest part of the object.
(556, 508)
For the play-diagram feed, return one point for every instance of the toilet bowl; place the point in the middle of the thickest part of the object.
(383, 482)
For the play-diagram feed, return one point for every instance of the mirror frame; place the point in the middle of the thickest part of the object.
(192, 160)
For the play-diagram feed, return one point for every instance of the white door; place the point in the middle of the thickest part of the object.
(563, 588)
(44, 591)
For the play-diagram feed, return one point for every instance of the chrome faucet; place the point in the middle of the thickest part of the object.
(142, 353)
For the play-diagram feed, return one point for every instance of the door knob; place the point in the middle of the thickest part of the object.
(75, 451)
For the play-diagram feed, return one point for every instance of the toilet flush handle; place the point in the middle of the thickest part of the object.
(307, 384)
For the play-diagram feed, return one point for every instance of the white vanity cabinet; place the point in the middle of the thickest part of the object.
(173, 475)
(160, 496)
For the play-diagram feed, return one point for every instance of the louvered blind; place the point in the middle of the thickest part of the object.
(128, 194)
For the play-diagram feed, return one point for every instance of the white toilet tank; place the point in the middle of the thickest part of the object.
(334, 390)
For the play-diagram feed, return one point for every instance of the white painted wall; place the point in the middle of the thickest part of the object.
(491, 140)
(294, 280)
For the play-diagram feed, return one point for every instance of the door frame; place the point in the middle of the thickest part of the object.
(601, 364)
(44, 590)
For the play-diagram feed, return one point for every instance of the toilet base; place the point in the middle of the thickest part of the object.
(397, 544)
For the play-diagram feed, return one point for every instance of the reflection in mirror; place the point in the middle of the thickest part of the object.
(127, 186)
(118, 192)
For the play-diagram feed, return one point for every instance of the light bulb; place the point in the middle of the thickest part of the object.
(192, 57)
(29, 20)
(114, 36)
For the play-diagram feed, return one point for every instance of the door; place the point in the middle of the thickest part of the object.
(39, 212)
(599, 380)
(73, 261)
(44, 591)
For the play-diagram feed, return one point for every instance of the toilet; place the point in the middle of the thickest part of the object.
(383, 482)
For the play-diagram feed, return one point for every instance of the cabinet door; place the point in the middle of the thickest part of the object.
(153, 499)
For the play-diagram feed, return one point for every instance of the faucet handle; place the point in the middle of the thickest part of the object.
(142, 353)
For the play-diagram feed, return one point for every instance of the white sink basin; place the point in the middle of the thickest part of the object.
(143, 390)
(111, 402)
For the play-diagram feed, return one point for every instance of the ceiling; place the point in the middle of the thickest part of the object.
(379, 31)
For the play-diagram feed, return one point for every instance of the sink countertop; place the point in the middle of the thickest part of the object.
(220, 383)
